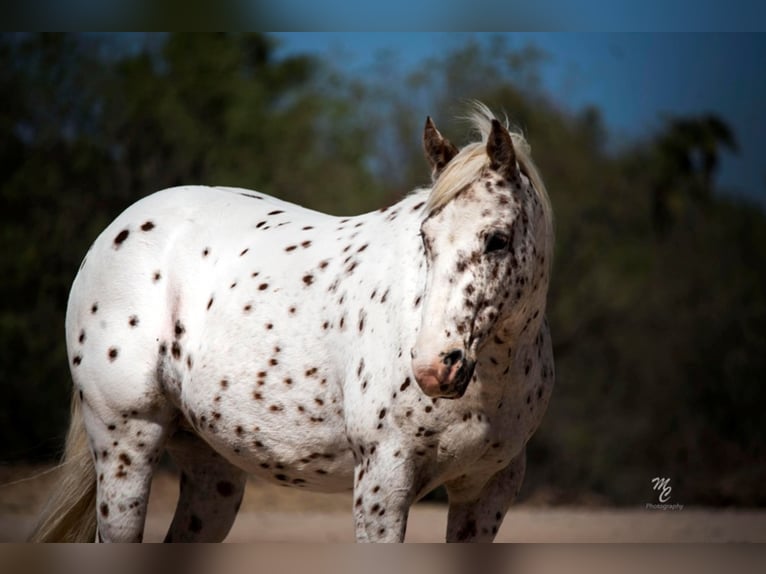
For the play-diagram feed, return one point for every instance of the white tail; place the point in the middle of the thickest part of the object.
(70, 513)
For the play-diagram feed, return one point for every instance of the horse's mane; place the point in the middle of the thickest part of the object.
(466, 166)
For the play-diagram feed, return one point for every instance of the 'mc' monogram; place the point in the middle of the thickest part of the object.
(663, 485)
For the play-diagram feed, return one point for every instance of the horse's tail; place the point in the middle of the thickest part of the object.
(70, 514)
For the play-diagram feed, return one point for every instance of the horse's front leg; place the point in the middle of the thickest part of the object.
(477, 508)
(383, 492)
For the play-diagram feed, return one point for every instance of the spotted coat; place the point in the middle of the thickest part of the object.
(247, 335)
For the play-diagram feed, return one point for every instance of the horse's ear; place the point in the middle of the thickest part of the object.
(439, 150)
(502, 156)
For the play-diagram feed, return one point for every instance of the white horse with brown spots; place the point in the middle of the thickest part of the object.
(387, 353)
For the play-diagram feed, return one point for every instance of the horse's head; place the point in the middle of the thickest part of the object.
(485, 237)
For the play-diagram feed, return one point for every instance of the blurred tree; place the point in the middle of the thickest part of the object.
(686, 156)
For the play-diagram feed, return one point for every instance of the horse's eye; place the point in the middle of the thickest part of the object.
(496, 242)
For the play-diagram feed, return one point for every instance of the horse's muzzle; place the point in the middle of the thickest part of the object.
(444, 380)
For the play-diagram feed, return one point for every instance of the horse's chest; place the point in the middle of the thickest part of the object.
(481, 440)
(453, 437)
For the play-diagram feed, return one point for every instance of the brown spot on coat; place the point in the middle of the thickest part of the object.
(195, 524)
(467, 531)
(225, 488)
(121, 236)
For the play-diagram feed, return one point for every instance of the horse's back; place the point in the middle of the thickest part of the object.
(166, 234)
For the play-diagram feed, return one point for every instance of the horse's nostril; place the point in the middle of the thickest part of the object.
(453, 357)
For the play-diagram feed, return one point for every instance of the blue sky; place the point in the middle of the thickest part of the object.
(634, 79)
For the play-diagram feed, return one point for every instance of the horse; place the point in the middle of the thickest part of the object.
(387, 353)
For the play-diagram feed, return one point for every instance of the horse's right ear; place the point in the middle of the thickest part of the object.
(439, 150)
(502, 156)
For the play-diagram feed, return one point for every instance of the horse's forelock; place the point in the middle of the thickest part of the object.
(465, 168)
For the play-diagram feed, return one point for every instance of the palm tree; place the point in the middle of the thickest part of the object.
(687, 155)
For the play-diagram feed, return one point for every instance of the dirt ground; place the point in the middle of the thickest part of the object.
(271, 513)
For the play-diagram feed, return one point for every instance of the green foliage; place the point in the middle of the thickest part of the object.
(658, 306)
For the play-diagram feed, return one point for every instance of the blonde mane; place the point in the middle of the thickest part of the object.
(465, 167)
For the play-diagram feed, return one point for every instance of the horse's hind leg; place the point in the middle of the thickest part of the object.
(126, 448)
(211, 491)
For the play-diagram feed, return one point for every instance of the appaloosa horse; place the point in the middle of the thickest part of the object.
(387, 353)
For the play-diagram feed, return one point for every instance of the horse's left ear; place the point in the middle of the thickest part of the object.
(439, 150)
(502, 156)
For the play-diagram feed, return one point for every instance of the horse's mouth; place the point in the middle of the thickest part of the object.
(456, 388)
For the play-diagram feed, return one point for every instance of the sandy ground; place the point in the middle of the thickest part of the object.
(271, 513)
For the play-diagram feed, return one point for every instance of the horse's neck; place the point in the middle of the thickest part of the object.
(399, 259)
(399, 224)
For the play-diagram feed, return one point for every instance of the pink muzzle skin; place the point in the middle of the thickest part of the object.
(436, 379)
